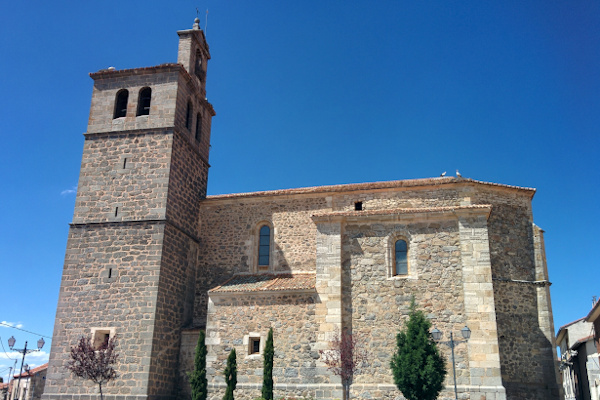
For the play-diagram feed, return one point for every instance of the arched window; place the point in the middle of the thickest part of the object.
(198, 127)
(121, 103)
(198, 65)
(188, 116)
(264, 246)
(400, 257)
(144, 101)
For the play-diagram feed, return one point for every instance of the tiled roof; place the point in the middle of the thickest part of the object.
(395, 211)
(594, 312)
(571, 323)
(32, 371)
(266, 283)
(371, 186)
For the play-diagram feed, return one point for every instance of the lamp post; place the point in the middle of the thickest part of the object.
(466, 334)
(11, 343)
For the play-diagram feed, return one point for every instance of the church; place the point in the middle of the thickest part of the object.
(151, 260)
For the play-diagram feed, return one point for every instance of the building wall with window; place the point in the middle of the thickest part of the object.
(151, 260)
(31, 385)
(472, 255)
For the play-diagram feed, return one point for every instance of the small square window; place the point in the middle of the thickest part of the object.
(101, 336)
(358, 206)
(254, 345)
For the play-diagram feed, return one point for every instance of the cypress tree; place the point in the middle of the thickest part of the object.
(198, 380)
(418, 367)
(230, 375)
(267, 388)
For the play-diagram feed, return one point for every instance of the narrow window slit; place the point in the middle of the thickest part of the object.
(110, 272)
(124, 163)
(116, 211)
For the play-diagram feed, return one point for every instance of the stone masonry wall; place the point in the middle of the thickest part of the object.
(162, 80)
(187, 185)
(189, 42)
(173, 312)
(526, 353)
(229, 243)
(128, 171)
(229, 226)
(399, 198)
(188, 91)
(379, 304)
(229, 233)
(90, 298)
(234, 318)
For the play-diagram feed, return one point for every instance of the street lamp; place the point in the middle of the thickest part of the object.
(11, 343)
(466, 334)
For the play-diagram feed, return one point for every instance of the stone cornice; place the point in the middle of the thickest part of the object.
(162, 68)
(117, 73)
(405, 214)
(262, 293)
(136, 221)
(167, 130)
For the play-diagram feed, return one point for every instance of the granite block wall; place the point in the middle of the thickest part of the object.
(234, 319)
(125, 171)
(121, 299)
(163, 80)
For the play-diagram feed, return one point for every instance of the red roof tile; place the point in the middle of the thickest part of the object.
(266, 283)
(32, 371)
(371, 186)
(594, 312)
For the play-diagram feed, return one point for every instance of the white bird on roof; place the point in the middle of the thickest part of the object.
(443, 173)
(458, 175)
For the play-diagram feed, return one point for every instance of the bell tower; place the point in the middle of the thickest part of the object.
(132, 251)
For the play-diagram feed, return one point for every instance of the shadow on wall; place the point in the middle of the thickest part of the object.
(527, 361)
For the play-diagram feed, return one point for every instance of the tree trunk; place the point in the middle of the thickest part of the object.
(101, 395)
(346, 390)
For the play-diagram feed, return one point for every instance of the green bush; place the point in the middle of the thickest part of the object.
(267, 387)
(198, 380)
(418, 367)
(230, 375)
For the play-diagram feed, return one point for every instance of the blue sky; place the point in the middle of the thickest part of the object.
(313, 93)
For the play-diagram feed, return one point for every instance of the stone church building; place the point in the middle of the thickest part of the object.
(151, 259)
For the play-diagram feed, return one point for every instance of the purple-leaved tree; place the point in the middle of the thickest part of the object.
(94, 364)
(346, 354)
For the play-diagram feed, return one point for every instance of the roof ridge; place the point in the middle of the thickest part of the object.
(437, 181)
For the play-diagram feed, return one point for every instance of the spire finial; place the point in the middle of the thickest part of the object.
(196, 20)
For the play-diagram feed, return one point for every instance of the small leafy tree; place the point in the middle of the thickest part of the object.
(346, 354)
(94, 364)
(418, 367)
(198, 380)
(230, 375)
(267, 388)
